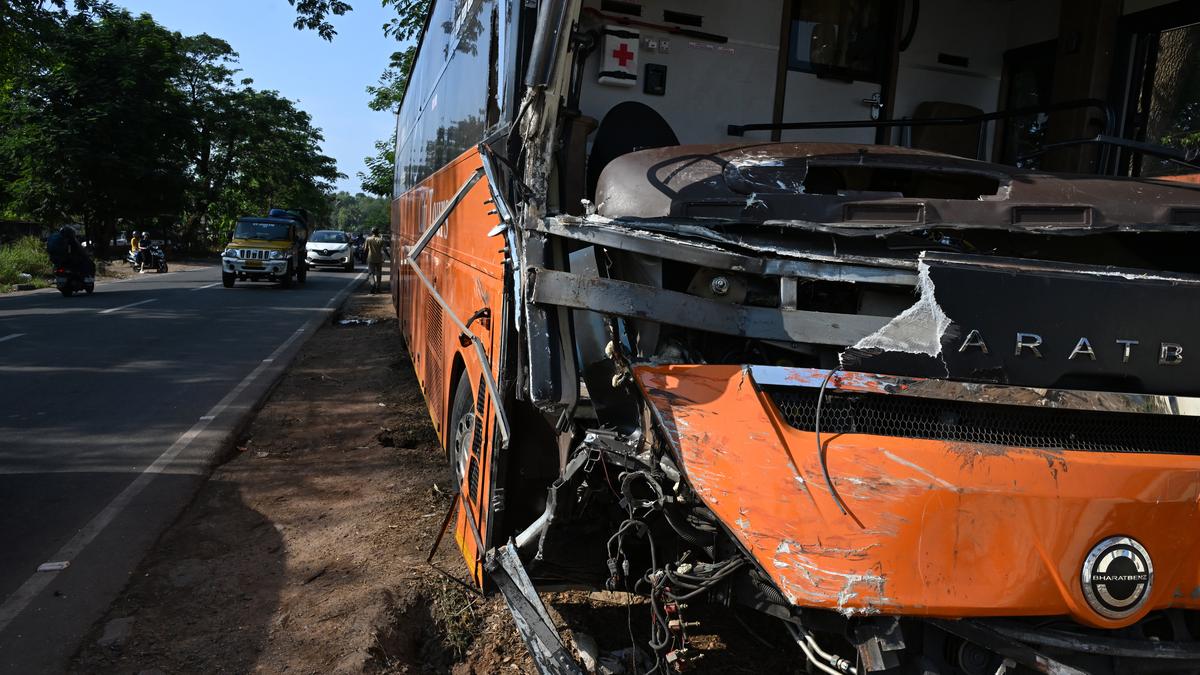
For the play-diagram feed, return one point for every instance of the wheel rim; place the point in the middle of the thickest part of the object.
(464, 433)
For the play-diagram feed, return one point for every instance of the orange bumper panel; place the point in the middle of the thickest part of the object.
(934, 527)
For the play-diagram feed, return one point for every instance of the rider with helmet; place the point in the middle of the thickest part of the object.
(65, 250)
(143, 251)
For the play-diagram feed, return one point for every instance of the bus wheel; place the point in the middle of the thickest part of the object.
(462, 428)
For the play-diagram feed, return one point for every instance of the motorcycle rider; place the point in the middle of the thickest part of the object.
(65, 250)
(143, 252)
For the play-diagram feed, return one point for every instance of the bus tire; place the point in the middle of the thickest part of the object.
(462, 428)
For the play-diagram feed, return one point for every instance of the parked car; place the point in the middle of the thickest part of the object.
(330, 248)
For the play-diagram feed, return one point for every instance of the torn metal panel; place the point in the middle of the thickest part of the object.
(919, 329)
(652, 239)
(620, 298)
(533, 621)
(933, 528)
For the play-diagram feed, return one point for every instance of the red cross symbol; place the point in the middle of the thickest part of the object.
(622, 54)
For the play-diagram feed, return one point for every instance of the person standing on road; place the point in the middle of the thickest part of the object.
(375, 252)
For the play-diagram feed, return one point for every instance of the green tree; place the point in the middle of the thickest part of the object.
(315, 15)
(114, 121)
(99, 132)
(358, 213)
(388, 92)
(378, 178)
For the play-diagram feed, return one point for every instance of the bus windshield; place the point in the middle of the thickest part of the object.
(252, 229)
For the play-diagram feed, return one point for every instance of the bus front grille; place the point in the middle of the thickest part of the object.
(987, 423)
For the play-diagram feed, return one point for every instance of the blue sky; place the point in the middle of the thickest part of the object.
(328, 79)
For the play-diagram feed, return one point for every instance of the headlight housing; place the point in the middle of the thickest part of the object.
(276, 255)
(231, 253)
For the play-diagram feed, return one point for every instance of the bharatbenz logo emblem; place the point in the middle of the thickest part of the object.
(1117, 576)
(1030, 344)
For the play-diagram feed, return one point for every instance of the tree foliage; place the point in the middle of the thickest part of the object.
(315, 15)
(113, 121)
(358, 213)
(388, 92)
(378, 178)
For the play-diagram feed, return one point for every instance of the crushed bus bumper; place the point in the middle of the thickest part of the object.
(935, 523)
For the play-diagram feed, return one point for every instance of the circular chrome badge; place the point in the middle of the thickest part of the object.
(1117, 576)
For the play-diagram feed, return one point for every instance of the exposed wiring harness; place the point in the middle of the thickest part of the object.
(667, 585)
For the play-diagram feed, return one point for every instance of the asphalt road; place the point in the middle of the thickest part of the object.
(113, 409)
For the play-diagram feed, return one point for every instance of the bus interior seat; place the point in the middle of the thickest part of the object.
(627, 127)
(958, 139)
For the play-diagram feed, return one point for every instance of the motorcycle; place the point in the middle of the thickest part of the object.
(153, 257)
(68, 280)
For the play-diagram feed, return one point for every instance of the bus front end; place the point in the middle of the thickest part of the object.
(936, 415)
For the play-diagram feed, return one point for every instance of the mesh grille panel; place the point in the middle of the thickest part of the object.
(477, 441)
(433, 356)
(1017, 426)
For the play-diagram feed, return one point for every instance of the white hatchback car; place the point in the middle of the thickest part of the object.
(330, 248)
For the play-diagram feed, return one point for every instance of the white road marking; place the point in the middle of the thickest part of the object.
(20, 599)
(200, 288)
(132, 304)
(14, 336)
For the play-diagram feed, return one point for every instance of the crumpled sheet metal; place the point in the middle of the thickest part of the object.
(935, 528)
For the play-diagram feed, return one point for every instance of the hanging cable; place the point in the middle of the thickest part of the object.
(821, 450)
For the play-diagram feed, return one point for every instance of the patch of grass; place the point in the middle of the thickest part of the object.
(454, 612)
(26, 255)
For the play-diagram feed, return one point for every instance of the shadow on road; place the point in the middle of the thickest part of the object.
(221, 558)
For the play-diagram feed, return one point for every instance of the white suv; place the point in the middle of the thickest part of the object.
(330, 248)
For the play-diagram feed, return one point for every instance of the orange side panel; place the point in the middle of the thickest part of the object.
(466, 267)
(935, 528)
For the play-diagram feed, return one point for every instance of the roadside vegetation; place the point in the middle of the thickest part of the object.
(116, 122)
(24, 256)
(358, 212)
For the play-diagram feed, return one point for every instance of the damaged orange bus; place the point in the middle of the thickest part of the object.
(874, 316)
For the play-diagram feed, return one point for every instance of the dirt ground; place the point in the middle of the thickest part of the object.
(305, 553)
